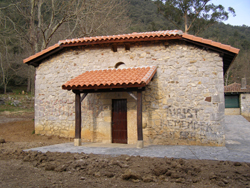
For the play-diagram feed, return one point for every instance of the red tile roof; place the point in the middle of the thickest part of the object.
(112, 78)
(131, 36)
(235, 87)
(211, 43)
(143, 36)
(49, 49)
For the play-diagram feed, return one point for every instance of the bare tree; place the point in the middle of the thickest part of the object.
(8, 67)
(38, 22)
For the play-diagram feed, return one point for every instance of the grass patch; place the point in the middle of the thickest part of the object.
(17, 90)
(17, 102)
(9, 108)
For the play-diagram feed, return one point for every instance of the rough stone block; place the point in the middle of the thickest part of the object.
(47, 128)
(154, 105)
(155, 115)
(107, 118)
(205, 80)
(158, 123)
(221, 108)
(216, 99)
(77, 142)
(217, 116)
(140, 144)
(39, 128)
(208, 110)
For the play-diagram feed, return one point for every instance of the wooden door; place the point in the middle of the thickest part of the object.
(119, 121)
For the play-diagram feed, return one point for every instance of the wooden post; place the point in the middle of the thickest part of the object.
(139, 119)
(78, 119)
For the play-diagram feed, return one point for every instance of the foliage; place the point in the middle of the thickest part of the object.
(144, 17)
(192, 15)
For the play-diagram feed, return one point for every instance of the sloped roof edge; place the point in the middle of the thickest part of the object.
(142, 36)
(211, 43)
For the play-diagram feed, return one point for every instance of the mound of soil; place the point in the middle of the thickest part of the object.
(36, 169)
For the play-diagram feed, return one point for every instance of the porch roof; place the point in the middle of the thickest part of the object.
(112, 78)
(236, 88)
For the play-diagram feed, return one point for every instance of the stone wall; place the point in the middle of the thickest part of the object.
(245, 104)
(183, 104)
(232, 111)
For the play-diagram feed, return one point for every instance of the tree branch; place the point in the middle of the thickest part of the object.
(197, 14)
(19, 33)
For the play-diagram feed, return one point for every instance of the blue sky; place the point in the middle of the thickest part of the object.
(242, 10)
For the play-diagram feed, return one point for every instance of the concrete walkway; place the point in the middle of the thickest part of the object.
(237, 131)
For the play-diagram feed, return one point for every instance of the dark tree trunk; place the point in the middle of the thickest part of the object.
(5, 88)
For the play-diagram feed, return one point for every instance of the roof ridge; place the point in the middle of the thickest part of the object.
(120, 68)
(171, 32)
(239, 84)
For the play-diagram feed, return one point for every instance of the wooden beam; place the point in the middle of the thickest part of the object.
(78, 118)
(127, 46)
(114, 47)
(107, 90)
(132, 95)
(139, 115)
(83, 96)
(104, 87)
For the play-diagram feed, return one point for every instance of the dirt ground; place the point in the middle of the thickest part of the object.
(34, 169)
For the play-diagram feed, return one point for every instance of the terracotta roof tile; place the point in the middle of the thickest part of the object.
(210, 42)
(41, 53)
(112, 78)
(235, 87)
(124, 36)
(154, 35)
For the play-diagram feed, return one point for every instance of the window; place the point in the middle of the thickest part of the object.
(120, 65)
